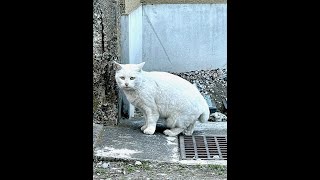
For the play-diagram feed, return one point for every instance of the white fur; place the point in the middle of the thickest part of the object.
(162, 95)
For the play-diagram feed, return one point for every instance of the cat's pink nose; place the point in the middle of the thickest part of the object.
(126, 84)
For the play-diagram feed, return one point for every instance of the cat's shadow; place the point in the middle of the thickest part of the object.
(137, 124)
(160, 128)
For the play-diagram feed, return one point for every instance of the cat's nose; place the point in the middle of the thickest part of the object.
(126, 84)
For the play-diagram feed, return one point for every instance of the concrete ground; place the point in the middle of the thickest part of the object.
(127, 142)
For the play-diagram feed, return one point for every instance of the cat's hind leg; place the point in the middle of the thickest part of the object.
(173, 131)
(190, 128)
(179, 123)
(171, 123)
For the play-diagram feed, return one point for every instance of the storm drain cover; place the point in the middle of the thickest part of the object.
(203, 147)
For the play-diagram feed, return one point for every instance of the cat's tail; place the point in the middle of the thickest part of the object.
(204, 116)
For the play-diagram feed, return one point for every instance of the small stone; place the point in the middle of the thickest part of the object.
(215, 157)
(118, 171)
(219, 116)
(161, 174)
(105, 165)
(138, 163)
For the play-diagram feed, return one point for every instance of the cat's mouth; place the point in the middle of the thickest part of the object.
(126, 87)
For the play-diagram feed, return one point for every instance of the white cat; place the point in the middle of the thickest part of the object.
(162, 95)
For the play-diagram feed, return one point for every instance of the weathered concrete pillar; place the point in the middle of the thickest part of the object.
(106, 48)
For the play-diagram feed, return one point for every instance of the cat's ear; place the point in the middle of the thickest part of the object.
(117, 65)
(139, 66)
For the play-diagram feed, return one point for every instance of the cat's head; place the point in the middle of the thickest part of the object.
(128, 75)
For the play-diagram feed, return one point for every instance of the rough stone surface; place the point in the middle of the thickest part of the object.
(130, 143)
(106, 48)
(97, 128)
(124, 152)
(209, 82)
(184, 1)
(127, 142)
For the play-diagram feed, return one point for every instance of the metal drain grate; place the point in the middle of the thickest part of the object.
(203, 147)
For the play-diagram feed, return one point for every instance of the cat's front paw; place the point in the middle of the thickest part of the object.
(149, 130)
(143, 127)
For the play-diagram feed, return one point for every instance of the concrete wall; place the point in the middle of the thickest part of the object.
(131, 37)
(184, 37)
(131, 47)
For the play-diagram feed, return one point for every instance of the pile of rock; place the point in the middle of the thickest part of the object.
(210, 82)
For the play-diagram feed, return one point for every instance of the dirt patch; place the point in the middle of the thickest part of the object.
(154, 171)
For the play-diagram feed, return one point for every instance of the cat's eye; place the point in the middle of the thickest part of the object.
(132, 78)
(122, 77)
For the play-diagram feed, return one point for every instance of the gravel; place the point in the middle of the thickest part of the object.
(154, 171)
